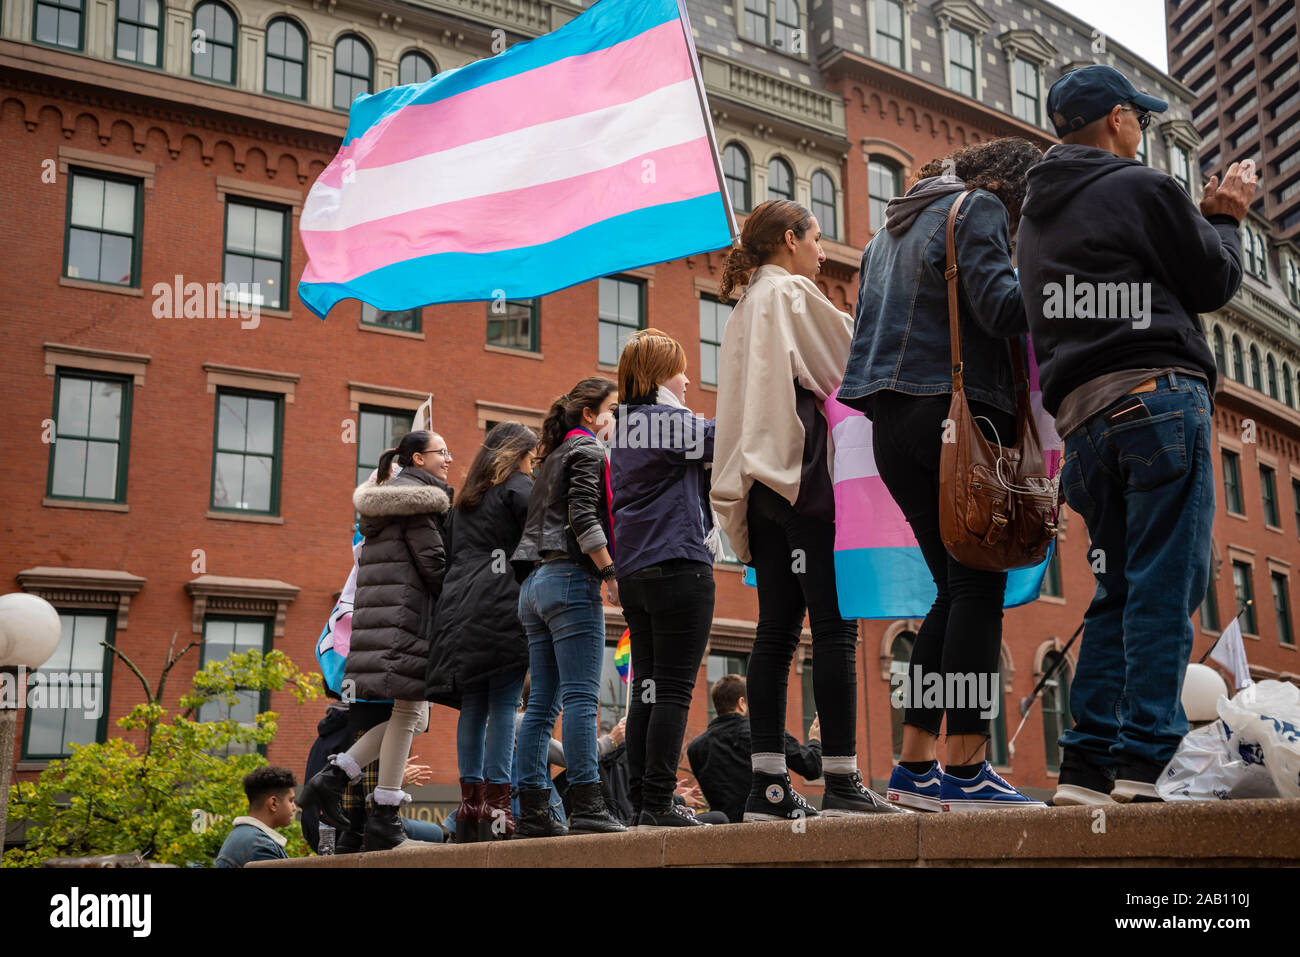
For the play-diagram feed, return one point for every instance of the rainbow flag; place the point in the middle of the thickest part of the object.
(879, 570)
(623, 655)
(584, 152)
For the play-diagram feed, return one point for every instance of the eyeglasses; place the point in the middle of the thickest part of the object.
(1143, 117)
(443, 452)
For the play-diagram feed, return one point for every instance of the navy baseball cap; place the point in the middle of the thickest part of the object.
(1089, 93)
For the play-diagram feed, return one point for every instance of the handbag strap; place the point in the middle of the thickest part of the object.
(954, 332)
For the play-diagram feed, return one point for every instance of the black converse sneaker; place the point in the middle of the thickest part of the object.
(845, 795)
(1081, 782)
(677, 815)
(1135, 781)
(771, 798)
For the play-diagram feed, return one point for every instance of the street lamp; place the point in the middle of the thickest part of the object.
(29, 633)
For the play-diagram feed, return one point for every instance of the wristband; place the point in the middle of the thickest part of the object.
(607, 573)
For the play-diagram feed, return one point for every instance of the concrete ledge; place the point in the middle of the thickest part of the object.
(1185, 834)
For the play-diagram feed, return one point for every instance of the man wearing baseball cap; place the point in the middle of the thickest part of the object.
(1115, 263)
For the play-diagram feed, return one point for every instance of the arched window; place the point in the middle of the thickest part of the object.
(884, 182)
(900, 653)
(735, 169)
(213, 42)
(1142, 148)
(1254, 369)
(1238, 371)
(352, 75)
(1220, 356)
(1293, 281)
(1270, 369)
(823, 202)
(1261, 255)
(139, 31)
(780, 179)
(997, 752)
(1056, 705)
(286, 59)
(772, 23)
(1288, 394)
(415, 67)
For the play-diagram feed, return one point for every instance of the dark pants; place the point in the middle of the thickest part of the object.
(962, 634)
(794, 562)
(669, 611)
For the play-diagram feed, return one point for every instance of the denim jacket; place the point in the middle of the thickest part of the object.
(250, 840)
(900, 331)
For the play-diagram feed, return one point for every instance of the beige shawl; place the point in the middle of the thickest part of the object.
(782, 331)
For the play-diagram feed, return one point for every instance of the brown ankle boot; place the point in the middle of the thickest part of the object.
(470, 812)
(497, 822)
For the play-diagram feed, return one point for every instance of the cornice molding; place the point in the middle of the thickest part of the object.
(256, 597)
(83, 588)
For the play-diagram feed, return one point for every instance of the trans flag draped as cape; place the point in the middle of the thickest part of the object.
(879, 570)
(584, 152)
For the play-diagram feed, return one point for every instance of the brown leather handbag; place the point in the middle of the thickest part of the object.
(997, 506)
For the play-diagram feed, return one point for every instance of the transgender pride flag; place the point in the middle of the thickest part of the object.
(879, 571)
(581, 153)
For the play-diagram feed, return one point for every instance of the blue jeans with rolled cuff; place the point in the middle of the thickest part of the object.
(1145, 489)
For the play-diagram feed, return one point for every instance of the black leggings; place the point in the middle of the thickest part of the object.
(669, 612)
(962, 634)
(794, 560)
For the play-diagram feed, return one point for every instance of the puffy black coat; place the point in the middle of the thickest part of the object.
(399, 579)
(477, 633)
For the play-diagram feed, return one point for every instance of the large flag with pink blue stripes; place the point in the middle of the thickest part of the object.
(879, 570)
(584, 152)
(878, 565)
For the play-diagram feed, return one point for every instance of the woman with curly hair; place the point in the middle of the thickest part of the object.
(783, 352)
(899, 375)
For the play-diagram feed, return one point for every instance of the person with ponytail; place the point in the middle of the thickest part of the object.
(783, 353)
(399, 577)
(664, 527)
(566, 552)
(899, 375)
(479, 653)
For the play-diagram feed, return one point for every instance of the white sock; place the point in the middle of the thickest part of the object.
(343, 761)
(389, 797)
(840, 765)
(768, 763)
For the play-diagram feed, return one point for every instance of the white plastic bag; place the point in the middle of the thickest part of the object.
(1208, 767)
(1265, 722)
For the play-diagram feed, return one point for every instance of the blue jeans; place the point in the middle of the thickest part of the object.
(487, 721)
(1145, 488)
(560, 608)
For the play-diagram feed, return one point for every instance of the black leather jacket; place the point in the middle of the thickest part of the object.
(569, 508)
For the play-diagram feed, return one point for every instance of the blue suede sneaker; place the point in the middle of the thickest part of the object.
(919, 791)
(986, 791)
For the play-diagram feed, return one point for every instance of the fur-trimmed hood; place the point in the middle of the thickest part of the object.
(395, 498)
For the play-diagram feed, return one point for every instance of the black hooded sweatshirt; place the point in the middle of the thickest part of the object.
(1098, 218)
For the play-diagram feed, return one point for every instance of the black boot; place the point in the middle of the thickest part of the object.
(384, 829)
(348, 842)
(325, 791)
(590, 816)
(535, 819)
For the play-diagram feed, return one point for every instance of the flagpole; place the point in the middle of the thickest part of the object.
(685, 20)
(1244, 605)
(1033, 695)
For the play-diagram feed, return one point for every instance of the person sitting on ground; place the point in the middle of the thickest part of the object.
(719, 757)
(255, 836)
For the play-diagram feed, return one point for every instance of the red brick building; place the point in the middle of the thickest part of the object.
(200, 478)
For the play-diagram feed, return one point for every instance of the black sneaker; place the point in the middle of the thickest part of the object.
(1081, 782)
(846, 795)
(677, 815)
(772, 798)
(1135, 781)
